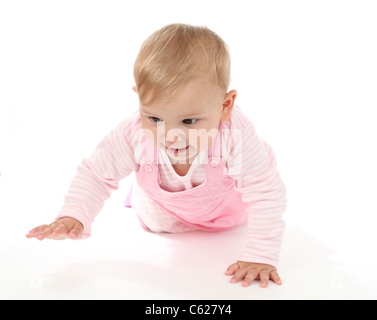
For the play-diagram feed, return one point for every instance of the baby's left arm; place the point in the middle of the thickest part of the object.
(257, 178)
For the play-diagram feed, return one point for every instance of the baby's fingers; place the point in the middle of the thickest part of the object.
(275, 277)
(75, 233)
(60, 232)
(47, 232)
(37, 231)
(239, 275)
(232, 269)
(264, 276)
(250, 277)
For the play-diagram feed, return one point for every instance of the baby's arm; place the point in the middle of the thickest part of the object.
(95, 179)
(257, 178)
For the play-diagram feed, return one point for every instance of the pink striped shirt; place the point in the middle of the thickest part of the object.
(253, 166)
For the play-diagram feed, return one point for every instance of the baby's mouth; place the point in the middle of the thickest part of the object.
(176, 150)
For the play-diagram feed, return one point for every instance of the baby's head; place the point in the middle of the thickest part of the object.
(182, 74)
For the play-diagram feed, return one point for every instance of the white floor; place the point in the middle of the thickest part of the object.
(122, 261)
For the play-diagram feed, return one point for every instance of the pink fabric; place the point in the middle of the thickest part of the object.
(127, 201)
(212, 206)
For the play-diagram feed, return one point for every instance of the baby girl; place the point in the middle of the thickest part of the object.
(198, 161)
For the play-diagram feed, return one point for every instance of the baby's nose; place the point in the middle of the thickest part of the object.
(177, 137)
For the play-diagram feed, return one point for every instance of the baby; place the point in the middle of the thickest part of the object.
(198, 161)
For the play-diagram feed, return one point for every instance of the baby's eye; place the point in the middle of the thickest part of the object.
(155, 121)
(191, 120)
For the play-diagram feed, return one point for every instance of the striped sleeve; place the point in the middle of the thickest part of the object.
(98, 175)
(253, 165)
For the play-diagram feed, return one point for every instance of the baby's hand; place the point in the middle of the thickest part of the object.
(249, 271)
(61, 229)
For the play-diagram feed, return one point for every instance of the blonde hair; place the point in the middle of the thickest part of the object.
(176, 54)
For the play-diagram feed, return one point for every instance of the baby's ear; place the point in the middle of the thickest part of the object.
(134, 89)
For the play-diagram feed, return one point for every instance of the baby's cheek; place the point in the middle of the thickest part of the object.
(198, 141)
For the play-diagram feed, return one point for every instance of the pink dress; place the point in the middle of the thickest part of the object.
(214, 205)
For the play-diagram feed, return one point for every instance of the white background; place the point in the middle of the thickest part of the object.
(306, 75)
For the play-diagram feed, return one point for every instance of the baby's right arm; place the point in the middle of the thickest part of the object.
(96, 177)
(60, 229)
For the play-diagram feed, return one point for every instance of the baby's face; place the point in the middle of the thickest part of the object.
(187, 124)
